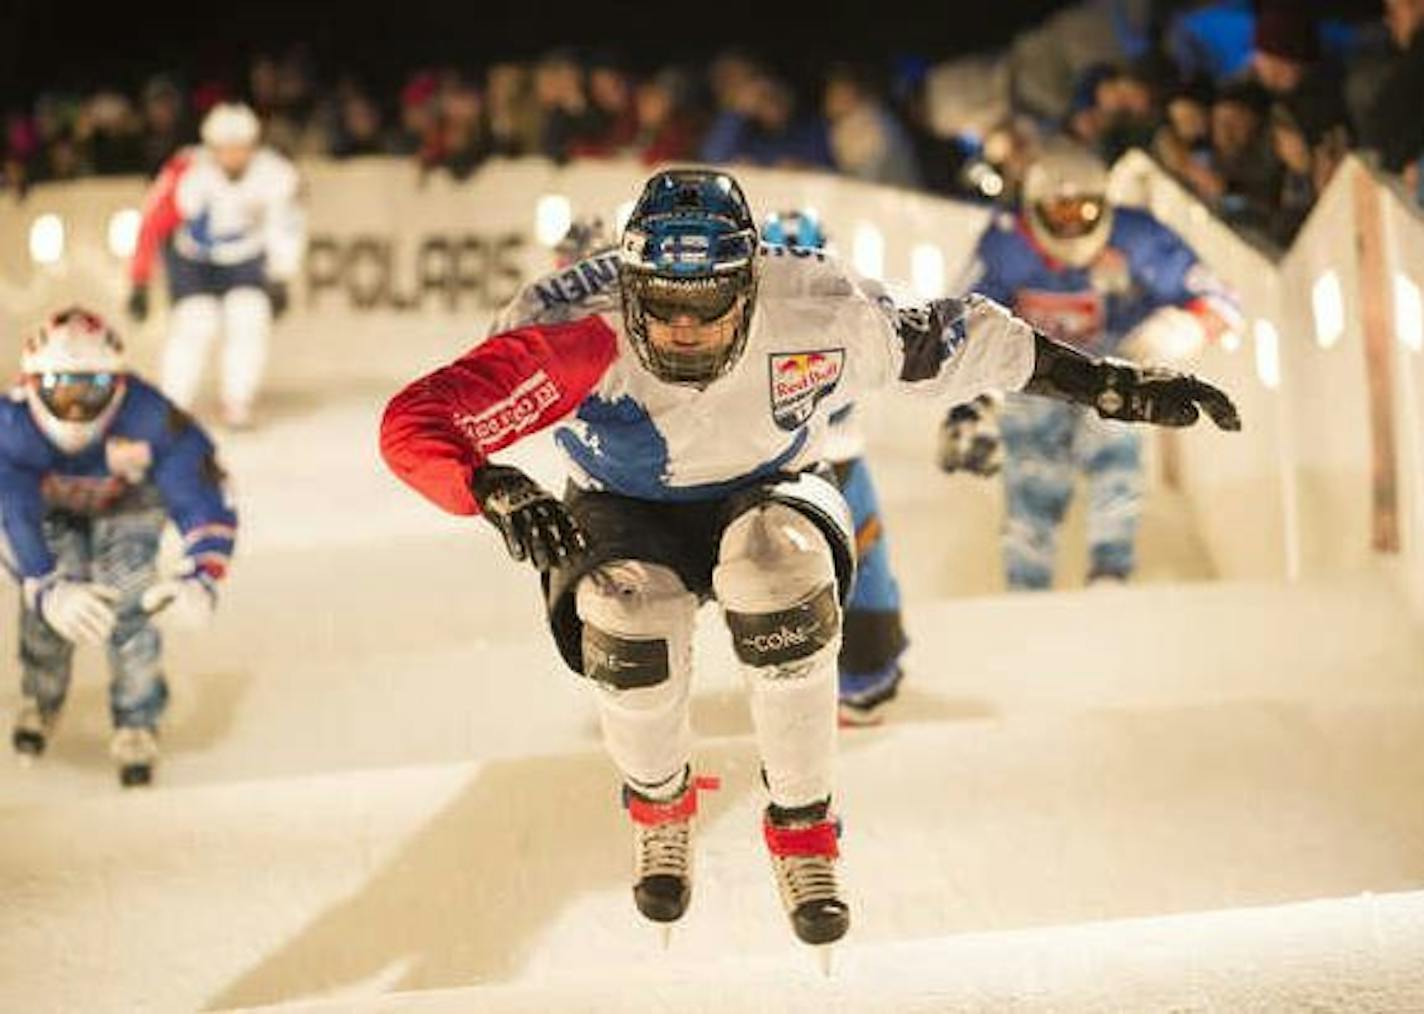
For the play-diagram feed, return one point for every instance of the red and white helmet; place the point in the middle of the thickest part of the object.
(75, 377)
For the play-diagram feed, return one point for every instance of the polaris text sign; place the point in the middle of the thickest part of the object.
(455, 273)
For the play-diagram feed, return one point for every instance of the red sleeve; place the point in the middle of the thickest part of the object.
(437, 431)
(160, 218)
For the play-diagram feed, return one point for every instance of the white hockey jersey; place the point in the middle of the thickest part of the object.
(213, 218)
(820, 339)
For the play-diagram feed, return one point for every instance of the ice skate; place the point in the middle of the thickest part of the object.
(135, 748)
(863, 700)
(32, 729)
(662, 851)
(803, 846)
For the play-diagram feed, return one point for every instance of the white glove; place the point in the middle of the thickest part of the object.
(79, 611)
(185, 602)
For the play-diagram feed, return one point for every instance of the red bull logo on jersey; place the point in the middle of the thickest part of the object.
(799, 380)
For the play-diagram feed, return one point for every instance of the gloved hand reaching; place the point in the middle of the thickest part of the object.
(79, 611)
(187, 601)
(969, 439)
(535, 525)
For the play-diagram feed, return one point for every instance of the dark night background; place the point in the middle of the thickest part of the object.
(49, 44)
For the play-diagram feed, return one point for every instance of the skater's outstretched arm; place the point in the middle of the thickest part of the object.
(1124, 391)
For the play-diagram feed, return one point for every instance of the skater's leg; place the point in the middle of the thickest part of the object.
(1110, 453)
(776, 578)
(192, 325)
(46, 658)
(125, 547)
(247, 325)
(637, 649)
(1038, 484)
(873, 636)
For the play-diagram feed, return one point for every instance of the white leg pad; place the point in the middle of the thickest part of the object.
(631, 607)
(192, 323)
(247, 323)
(777, 580)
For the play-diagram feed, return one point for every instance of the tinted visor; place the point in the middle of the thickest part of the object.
(1070, 217)
(77, 397)
(704, 300)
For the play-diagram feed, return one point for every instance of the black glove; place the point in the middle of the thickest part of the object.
(536, 527)
(138, 303)
(969, 439)
(1122, 391)
(278, 296)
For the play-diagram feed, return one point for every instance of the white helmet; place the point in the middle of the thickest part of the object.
(230, 123)
(74, 377)
(1065, 202)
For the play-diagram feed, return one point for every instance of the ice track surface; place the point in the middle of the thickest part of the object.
(380, 791)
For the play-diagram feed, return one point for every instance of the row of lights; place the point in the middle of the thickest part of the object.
(48, 237)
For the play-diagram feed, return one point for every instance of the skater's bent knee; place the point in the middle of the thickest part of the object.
(633, 613)
(775, 638)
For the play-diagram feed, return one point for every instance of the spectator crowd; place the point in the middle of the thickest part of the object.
(1251, 105)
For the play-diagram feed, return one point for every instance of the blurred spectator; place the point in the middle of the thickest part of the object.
(113, 134)
(1243, 181)
(758, 125)
(1212, 39)
(358, 129)
(667, 130)
(460, 142)
(867, 142)
(165, 124)
(1184, 139)
(1392, 121)
(1113, 110)
(940, 160)
(1288, 63)
(418, 114)
(612, 121)
(513, 111)
(567, 118)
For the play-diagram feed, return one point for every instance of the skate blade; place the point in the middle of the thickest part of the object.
(26, 760)
(824, 958)
(665, 935)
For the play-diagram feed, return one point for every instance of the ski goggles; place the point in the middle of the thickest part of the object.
(1071, 217)
(703, 300)
(77, 397)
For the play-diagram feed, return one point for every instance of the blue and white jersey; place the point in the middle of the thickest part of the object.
(150, 442)
(1145, 267)
(820, 338)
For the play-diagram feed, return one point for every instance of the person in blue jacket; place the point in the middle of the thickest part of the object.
(93, 463)
(1110, 281)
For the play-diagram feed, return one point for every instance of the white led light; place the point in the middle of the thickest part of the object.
(868, 251)
(1268, 354)
(47, 239)
(927, 271)
(552, 217)
(123, 232)
(1230, 341)
(1408, 313)
(1328, 303)
(621, 216)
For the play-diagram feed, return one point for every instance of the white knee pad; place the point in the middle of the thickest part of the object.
(777, 581)
(637, 648)
(191, 325)
(247, 321)
(638, 620)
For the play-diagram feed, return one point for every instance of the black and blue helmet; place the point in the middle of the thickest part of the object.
(794, 228)
(689, 253)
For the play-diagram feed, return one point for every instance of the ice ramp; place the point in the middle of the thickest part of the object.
(1163, 798)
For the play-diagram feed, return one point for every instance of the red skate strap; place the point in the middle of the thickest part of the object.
(816, 840)
(652, 813)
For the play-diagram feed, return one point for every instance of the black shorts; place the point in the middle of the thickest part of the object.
(684, 537)
(197, 278)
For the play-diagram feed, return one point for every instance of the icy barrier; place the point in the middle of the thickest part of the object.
(1328, 475)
